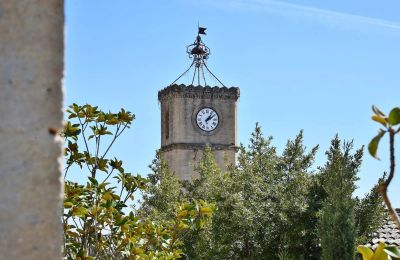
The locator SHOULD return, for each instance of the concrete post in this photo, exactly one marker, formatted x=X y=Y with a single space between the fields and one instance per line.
x=31 y=99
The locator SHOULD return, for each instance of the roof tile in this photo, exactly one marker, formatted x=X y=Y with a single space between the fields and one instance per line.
x=389 y=234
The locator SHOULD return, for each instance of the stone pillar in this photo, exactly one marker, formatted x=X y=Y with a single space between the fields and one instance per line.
x=31 y=104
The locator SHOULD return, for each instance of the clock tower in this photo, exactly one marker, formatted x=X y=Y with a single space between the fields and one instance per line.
x=195 y=116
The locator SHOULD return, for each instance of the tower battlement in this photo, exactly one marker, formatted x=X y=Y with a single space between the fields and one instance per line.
x=190 y=91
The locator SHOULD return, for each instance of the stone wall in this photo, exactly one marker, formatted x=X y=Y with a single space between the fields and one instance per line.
x=182 y=162
x=31 y=99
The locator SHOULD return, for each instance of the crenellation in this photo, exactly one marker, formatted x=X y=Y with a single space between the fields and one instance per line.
x=190 y=91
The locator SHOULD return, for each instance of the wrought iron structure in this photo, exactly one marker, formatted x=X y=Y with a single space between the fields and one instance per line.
x=198 y=52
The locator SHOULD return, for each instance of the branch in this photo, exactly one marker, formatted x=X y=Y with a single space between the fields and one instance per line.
x=84 y=139
x=96 y=154
x=83 y=134
x=108 y=176
x=66 y=171
x=127 y=196
x=112 y=142
x=384 y=186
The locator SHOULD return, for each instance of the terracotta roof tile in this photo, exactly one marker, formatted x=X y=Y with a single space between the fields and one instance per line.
x=389 y=234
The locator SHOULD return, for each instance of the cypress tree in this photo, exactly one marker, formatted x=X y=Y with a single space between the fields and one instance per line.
x=337 y=219
x=370 y=213
x=163 y=192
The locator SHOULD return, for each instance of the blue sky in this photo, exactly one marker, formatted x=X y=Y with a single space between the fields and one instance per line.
x=312 y=65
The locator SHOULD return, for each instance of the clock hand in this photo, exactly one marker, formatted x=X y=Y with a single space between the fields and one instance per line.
x=209 y=117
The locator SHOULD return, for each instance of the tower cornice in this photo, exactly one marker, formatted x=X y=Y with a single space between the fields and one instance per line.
x=199 y=146
x=207 y=92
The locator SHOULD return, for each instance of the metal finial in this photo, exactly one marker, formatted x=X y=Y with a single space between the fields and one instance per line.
x=199 y=53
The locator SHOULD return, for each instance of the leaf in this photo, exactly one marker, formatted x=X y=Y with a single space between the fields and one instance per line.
x=137 y=251
x=102 y=165
x=377 y=111
x=112 y=121
x=103 y=185
x=379 y=253
x=75 y=107
x=392 y=251
x=125 y=228
x=394 y=116
x=79 y=211
x=71 y=130
x=182 y=214
x=379 y=120
x=72 y=115
x=121 y=222
x=373 y=145
x=93 y=181
x=68 y=205
x=101 y=117
x=205 y=211
x=182 y=225
x=72 y=234
x=107 y=196
x=366 y=252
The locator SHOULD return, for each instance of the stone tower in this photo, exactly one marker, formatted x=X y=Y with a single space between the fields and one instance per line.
x=195 y=116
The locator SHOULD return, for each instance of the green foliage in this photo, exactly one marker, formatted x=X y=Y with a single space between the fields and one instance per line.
x=256 y=180
x=337 y=221
x=370 y=213
x=373 y=145
x=213 y=185
x=97 y=222
x=394 y=116
x=295 y=168
x=261 y=205
x=388 y=122
x=268 y=206
x=162 y=193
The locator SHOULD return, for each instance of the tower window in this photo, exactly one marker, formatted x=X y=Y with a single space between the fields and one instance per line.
x=166 y=124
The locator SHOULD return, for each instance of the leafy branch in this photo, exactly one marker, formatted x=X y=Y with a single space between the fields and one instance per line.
x=96 y=221
x=389 y=124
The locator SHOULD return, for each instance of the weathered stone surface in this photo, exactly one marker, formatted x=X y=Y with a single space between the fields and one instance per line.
x=191 y=91
x=31 y=71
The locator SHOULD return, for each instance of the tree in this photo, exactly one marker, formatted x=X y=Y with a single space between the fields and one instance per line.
x=295 y=167
x=215 y=241
x=268 y=206
x=369 y=213
x=315 y=201
x=337 y=221
x=256 y=213
x=97 y=222
x=255 y=182
x=162 y=193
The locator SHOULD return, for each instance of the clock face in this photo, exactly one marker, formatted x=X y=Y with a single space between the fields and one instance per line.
x=207 y=119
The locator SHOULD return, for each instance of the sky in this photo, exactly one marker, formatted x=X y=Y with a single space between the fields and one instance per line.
x=312 y=65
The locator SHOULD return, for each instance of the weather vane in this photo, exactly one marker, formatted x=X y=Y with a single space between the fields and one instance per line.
x=199 y=53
